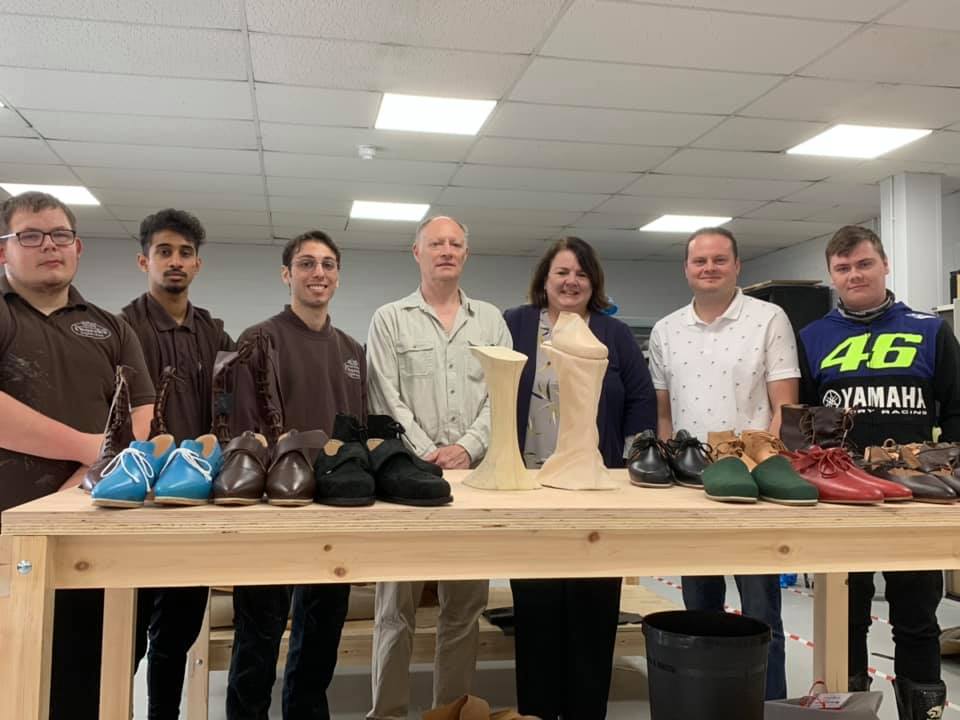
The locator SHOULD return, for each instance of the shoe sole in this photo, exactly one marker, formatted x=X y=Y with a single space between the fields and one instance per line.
x=164 y=500
x=428 y=502
x=347 y=502
x=691 y=485
x=236 y=501
x=117 y=503
x=651 y=484
x=852 y=502
x=289 y=503
x=793 y=503
x=732 y=498
x=936 y=502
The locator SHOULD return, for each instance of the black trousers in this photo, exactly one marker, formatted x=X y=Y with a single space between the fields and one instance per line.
x=170 y=618
x=566 y=631
x=260 y=617
x=913 y=598
x=75 y=668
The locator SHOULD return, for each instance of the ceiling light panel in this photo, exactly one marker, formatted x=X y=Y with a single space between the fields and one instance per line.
x=683 y=223
x=433 y=114
x=69 y=194
x=372 y=210
x=858 y=141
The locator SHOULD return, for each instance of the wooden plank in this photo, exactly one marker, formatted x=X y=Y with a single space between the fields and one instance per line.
x=6 y=564
x=27 y=632
x=830 y=630
x=116 y=668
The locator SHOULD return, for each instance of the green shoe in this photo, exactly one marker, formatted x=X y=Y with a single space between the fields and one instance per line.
x=728 y=480
x=779 y=483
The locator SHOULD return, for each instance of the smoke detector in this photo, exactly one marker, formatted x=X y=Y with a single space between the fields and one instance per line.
x=367 y=152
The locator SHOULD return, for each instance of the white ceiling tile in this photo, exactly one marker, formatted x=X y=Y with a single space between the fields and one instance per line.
x=494 y=25
x=938 y=14
x=97 y=92
x=26 y=150
x=58 y=44
x=12 y=125
x=373 y=240
x=627 y=204
x=860 y=103
x=42 y=174
x=873 y=171
x=636 y=87
x=348 y=190
x=382 y=68
x=341 y=168
x=778 y=232
x=712 y=187
x=384 y=226
x=788 y=210
x=158 y=157
x=846 y=214
x=550 y=122
x=627 y=222
x=306 y=221
x=492 y=176
x=567 y=155
x=218 y=232
x=603 y=237
x=775 y=166
x=91 y=229
x=856 y=10
x=654 y=35
x=183 y=199
x=838 y=193
x=316 y=106
x=126 y=179
x=937 y=147
x=343 y=141
x=133 y=214
x=520 y=199
x=186 y=13
x=507 y=216
x=143 y=130
x=894 y=54
x=740 y=133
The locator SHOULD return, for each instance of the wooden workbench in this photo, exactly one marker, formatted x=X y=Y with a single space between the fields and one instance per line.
x=542 y=533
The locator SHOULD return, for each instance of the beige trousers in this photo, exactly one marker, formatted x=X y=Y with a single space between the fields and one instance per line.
x=458 y=635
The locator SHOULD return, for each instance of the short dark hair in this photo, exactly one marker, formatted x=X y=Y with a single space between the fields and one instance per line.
x=848 y=237
x=711 y=231
x=293 y=246
x=589 y=263
x=33 y=202
x=178 y=221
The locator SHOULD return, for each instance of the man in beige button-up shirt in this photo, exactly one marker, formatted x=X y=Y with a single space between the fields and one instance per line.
x=422 y=373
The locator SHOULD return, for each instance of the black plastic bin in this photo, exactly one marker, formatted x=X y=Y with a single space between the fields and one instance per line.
x=705 y=665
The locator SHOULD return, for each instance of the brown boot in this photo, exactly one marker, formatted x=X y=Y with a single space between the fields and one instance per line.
x=269 y=403
x=830 y=426
x=727 y=444
x=224 y=381
x=118 y=433
x=158 y=425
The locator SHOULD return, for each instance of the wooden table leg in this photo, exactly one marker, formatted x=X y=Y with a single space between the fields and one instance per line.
x=27 y=631
x=116 y=666
x=830 y=619
x=198 y=672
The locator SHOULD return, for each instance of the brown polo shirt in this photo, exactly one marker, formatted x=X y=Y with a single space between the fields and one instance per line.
x=320 y=374
x=63 y=366
x=191 y=349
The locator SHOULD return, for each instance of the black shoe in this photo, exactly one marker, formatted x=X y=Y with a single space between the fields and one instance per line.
x=689 y=458
x=343 y=471
x=919 y=701
x=400 y=478
x=384 y=426
x=648 y=466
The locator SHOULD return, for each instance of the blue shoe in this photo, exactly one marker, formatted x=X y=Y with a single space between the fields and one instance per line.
x=187 y=476
x=127 y=479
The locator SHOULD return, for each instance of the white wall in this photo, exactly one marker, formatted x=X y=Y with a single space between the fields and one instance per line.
x=799 y=262
x=241 y=283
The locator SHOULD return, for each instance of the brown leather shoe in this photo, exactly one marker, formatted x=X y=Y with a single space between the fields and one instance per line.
x=158 y=425
x=118 y=433
x=727 y=444
x=291 y=479
x=243 y=478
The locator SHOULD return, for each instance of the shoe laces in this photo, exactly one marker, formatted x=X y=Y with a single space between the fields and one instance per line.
x=830 y=461
x=642 y=443
x=194 y=460
x=139 y=460
x=728 y=448
x=675 y=446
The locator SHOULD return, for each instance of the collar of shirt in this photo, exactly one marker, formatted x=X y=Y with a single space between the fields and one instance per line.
x=416 y=300
x=162 y=320
x=291 y=317
x=731 y=313
x=74 y=298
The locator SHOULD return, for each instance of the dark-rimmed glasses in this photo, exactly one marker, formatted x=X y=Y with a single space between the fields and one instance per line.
x=34 y=238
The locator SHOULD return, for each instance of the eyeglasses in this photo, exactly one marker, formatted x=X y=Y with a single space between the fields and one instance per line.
x=34 y=238
x=310 y=264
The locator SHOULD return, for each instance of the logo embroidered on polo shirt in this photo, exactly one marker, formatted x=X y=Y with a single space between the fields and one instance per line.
x=351 y=368
x=90 y=329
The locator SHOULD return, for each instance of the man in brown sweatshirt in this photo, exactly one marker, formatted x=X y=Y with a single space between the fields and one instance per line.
x=320 y=372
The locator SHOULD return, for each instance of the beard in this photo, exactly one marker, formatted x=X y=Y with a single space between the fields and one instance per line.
x=174 y=289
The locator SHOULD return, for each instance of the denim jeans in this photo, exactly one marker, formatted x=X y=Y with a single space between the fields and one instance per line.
x=913 y=597
x=760 y=600
x=171 y=618
x=260 y=617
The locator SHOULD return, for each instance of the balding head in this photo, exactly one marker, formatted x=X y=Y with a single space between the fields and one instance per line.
x=440 y=220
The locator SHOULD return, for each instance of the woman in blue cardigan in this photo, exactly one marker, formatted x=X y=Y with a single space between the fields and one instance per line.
x=566 y=629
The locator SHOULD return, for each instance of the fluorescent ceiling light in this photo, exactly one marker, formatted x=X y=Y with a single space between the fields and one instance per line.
x=433 y=114
x=69 y=194
x=857 y=141
x=370 y=210
x=683 y=223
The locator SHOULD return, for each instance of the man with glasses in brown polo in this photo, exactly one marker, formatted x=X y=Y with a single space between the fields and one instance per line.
x=58 y=359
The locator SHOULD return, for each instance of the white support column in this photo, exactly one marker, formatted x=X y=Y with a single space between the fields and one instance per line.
x=911 y=228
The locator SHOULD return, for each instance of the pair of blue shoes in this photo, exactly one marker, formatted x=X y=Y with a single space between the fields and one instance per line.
x=178 y=475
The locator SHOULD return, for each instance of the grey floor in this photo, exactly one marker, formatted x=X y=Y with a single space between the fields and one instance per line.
x=350 y=691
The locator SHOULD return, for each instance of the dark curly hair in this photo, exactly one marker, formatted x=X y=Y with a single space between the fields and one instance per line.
x=178 y=221
x=589 y=263
x=293 y=245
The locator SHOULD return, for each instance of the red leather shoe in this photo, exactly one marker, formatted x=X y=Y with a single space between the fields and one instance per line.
x=892 y=491
x=829 y=472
